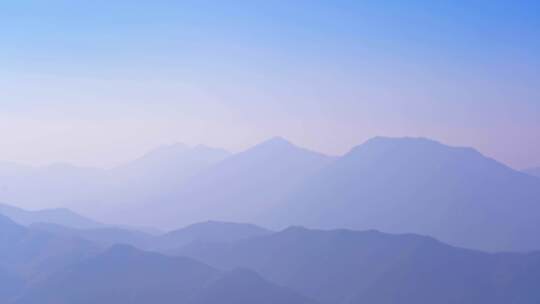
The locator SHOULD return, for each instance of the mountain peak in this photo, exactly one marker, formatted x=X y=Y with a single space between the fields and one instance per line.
x=206 y=148
x=279 y=144
x=419 y=145
x=277 y=141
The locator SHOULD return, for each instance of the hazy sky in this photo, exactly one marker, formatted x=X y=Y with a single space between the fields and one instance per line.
x=100 y=82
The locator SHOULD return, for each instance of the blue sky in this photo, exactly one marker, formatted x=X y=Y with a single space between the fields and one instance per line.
x=100 y=82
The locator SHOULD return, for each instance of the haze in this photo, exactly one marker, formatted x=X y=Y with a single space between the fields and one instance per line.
x=269 y=152
x=100 y=83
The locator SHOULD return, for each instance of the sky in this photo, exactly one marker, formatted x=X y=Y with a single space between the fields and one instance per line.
x=97 y=83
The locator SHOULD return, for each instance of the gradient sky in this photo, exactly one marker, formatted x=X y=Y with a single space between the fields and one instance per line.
x=100 y=82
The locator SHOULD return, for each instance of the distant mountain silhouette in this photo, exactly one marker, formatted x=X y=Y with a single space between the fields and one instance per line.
x=60 y=216
x=245 y=286
x=257 y=266
x=105 y=236
x=242 y=186
x=211 y=231
x=141 y=184
x=105 y=193
x=166 y=166
x=349 y=267
x=421 y=186
x=391 y=184
x=124 y=274
x=47 y=263
x=34 y=255
x=533 y=171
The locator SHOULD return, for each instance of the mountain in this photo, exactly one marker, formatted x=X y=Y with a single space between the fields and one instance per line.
x=33 y=255
x=124 y=274
x=46 y=263
x=420 y=186
x=9 y=232
x=254 y=289
x=165 y=168
x=351 y=267
x=394 y=185
x=136 y=186
x=60 y=216
x=105 y=193
x=172 y=163
x=533 y=171
x=105 y=236
x=209 y=232
x=243 y=186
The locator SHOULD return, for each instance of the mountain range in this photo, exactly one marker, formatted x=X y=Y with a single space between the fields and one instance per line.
x=105 y=193
x=354 y=267
x=60 y=216
x=38 y=266
x=240 y=263
x=421 y=186
x=208 y=232
x=397 y=185
x=243 y=186
x=123 y=274
x=29 y=256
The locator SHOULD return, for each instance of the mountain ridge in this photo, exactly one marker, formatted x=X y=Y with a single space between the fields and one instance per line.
x=240 y=187
x=61 y=216
x=352 y=267
x=123 y=274
x=420 y=186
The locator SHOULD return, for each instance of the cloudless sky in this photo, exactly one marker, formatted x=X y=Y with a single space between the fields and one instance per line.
x=100 y=82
